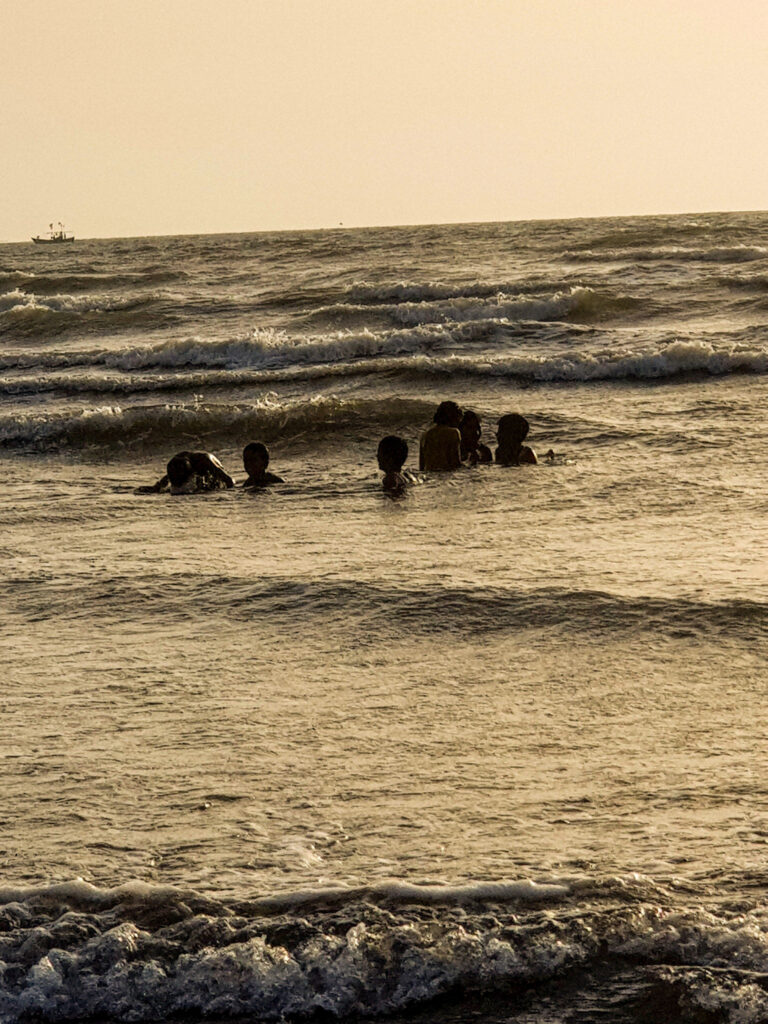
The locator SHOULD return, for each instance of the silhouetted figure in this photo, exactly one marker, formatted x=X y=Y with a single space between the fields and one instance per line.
x=391 y=455
x=255 y=461
x=440 y=447
x=511 y=431
x=190 y=472
x=471 y=450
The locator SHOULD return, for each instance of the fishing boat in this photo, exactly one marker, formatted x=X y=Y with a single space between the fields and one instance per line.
x=54 y=236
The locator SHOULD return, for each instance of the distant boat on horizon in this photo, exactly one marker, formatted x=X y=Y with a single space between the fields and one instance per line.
x=54 y=237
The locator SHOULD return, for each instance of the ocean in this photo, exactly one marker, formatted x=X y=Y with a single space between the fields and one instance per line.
x=492 y=752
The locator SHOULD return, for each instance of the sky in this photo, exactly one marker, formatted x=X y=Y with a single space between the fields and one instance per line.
x=152 y=117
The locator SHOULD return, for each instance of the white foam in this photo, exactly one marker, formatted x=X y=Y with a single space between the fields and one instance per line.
x=715 y=254
x=561 y=305
x=334 y=951
x=22 y=303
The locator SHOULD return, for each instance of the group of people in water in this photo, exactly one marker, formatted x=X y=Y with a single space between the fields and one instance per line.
x=190 y=472
x=452 y=441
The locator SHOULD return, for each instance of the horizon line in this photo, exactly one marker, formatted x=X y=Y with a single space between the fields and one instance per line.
x=379 y=227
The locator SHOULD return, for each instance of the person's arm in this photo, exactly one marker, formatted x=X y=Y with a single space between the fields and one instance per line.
x=421 y=455
x=225 y=478
x=161 y=484
x=528 y=456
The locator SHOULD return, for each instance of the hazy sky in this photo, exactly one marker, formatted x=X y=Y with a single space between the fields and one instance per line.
x=130 y=117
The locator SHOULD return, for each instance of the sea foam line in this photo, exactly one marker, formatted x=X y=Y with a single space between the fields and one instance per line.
x=20 y=303
x=578 y=301
x=138 y=958
x=264 y=348
x=226 y=364
x=715 y=254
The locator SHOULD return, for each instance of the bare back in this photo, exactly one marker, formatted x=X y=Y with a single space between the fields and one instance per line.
x=440 y=449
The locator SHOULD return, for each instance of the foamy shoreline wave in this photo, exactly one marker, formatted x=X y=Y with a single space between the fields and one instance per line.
x=142 y=953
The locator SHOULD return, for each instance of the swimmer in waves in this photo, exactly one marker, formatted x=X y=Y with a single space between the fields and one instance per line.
x=511 y=431
x=473 y=451
x=190 y=473
x=391 y=455
x=255 y=461
x=440 y=447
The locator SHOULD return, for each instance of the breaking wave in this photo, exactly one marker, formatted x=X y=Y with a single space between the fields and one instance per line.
x=26 y=314
x=361 y=292
x=138 y=953
x=672 y=360
x=263 y=348
x=199 y=423
x=405 y=356
x=576 y=303
x=18 y=302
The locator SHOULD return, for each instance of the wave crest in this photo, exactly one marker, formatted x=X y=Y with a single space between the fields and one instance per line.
x=27 y=314
x=575 y=303
x=198 y=423
x=264 y=348
x=715 y=254
x=91 y=280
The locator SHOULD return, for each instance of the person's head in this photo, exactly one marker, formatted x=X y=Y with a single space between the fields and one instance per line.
x=255 y=458
x=470 y=429
x=512 y=430
x=392 y=453
x=179 y=470
x=447 y=414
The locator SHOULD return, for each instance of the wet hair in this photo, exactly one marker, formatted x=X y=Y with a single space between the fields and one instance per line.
x=469 y=417
x=257 y=448
x=394 y=449
x=513 y=427
x=179 y=470
x=447 y=413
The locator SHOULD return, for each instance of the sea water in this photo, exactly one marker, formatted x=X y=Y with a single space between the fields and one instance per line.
x=495 y=750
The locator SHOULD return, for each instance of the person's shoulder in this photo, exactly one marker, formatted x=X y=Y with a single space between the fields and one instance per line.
x=394 y=484
x=441 y=433
x=268 y=478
